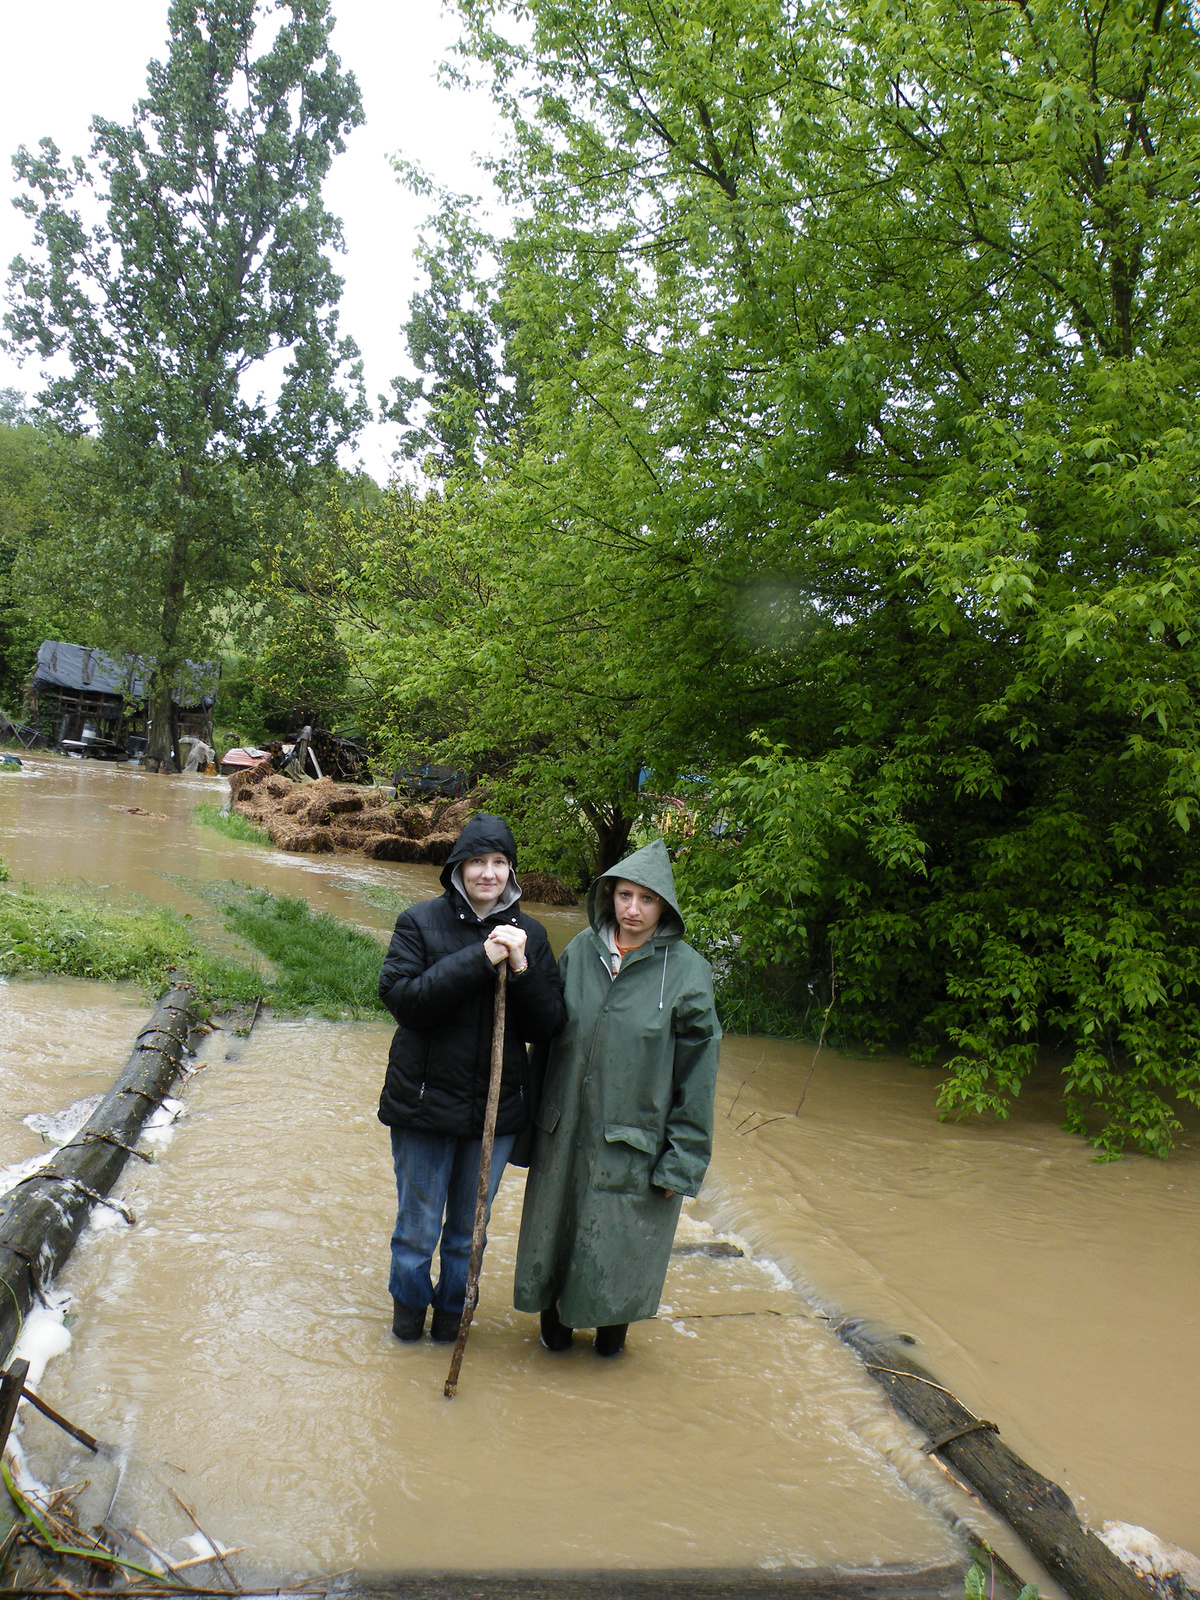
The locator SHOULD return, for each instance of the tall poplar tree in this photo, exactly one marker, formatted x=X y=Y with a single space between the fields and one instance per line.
x=207 y=281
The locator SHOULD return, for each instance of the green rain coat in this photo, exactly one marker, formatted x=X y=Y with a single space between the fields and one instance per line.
x=625 y=1112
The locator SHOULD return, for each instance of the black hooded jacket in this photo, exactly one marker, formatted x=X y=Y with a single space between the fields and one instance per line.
x=440 y=986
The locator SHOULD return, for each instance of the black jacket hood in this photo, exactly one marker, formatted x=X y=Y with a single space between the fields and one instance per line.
x=480 y=837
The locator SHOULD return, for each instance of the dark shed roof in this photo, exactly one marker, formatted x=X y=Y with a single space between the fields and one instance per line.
x=76 y=666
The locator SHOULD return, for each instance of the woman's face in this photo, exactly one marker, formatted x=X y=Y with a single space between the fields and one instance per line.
x=484 y=878
x=638 y=910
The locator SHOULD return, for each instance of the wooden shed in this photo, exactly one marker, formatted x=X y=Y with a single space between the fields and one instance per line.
x=91 y=704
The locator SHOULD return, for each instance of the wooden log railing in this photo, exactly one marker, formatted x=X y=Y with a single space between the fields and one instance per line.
x=43 y=1215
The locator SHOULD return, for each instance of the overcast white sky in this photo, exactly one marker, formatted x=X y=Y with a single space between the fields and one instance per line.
x=68 y=60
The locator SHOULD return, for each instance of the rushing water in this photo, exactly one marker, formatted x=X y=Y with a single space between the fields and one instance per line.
x=241 y=1331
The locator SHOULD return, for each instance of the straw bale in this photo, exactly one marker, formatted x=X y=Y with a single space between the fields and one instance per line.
x=310 y=841
x=435 y=847
x=392 y=847
x=316 y=800
x=544 y=889
x=301 y=841
x=248 y=777
x=374 y=821
x=456 y=815
x=417 y=820
x=344 y=804
x=314 y=803
x=277 y=786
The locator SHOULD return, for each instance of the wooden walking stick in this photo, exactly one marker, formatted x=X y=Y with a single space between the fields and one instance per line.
x=485 y=1174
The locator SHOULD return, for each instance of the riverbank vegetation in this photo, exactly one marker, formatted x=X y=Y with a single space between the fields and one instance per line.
x=323 y=966
x=320 y=967
x=231 y=823
x=212 y=257
x=72 y=931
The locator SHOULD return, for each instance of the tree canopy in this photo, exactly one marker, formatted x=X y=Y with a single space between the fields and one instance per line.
x=856 y=481
x=207 y=283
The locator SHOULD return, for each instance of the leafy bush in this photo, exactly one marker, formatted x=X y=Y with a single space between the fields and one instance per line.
x=961 y=929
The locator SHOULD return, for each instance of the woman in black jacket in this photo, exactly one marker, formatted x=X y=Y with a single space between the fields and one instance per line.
x=439 y=982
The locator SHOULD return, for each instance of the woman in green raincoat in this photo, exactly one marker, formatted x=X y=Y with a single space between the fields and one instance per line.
x=623 y=1123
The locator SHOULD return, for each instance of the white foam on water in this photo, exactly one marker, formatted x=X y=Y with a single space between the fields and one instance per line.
x=779 y=1278
x=44 y=1335
x=159 y=1127
x=60 y=1127
x=11 y=1176
x=100 y=1220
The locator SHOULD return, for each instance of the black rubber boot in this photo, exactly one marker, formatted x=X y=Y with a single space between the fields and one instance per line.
x=445 y=1325
x=555 y=1334
x=610 y=1341
x=407 y=1324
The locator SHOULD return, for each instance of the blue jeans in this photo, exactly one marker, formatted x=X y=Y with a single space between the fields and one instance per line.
x=437 y=1179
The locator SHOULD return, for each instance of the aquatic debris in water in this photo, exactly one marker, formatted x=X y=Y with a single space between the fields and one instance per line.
x=978 y=1586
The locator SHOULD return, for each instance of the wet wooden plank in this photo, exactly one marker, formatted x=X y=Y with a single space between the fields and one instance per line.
x=12 y=1385
x=943 y=1582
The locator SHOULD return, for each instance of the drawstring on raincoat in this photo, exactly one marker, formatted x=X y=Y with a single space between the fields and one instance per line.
x=663 y=985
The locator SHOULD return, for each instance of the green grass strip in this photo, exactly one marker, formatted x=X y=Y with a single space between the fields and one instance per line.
x=73 y=933
x=231 y=823
x=325 y=968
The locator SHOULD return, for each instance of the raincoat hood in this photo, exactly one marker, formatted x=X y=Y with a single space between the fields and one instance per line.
x=480 y=837
x=651 y=867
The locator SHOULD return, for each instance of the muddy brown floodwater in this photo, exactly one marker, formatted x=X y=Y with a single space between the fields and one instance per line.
x=240 y=1331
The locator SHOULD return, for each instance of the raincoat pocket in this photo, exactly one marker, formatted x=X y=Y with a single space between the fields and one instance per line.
x=547 y=1117
x=623 y=1164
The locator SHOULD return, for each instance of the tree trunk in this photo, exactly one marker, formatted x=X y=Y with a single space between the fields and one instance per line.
x=613 y=828
x=162 y=751
x=42 y=1216
x=159 y=752
x=1037 y=1509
